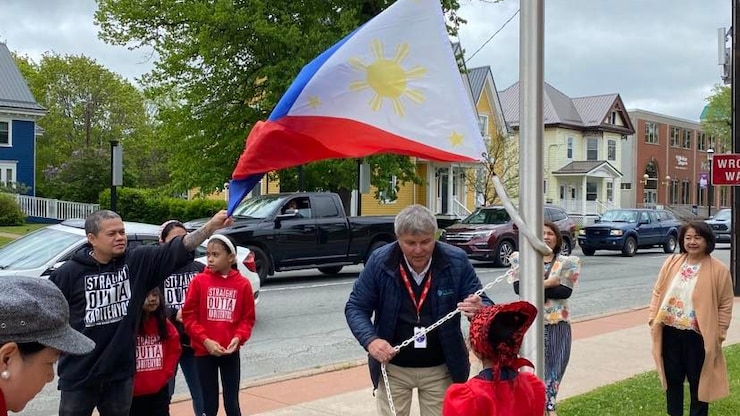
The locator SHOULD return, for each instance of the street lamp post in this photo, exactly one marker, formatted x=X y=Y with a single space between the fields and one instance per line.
x=710 y=190
x=116 y=172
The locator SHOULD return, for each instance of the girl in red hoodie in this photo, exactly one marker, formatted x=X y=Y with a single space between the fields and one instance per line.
x=219 y=316
x=157 y=352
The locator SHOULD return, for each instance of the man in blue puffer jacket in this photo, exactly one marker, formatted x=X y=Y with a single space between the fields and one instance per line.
x=409 y=285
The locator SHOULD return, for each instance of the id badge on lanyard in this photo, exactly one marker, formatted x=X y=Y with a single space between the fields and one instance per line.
x=421 y=340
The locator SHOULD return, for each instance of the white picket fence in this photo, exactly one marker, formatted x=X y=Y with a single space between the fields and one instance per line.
x=53 y=208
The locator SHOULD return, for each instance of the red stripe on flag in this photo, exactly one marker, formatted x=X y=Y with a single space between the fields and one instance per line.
x=293 y=141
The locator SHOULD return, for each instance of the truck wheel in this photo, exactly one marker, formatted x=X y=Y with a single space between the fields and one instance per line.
x=588 y=251
x=330 y=269
x=374 y=246
x=670 y=244
x=504 y=250
x=630 y=247
x=261 y=262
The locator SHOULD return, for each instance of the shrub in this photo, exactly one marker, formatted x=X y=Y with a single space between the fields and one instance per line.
x=149 y=206
x=10 y=212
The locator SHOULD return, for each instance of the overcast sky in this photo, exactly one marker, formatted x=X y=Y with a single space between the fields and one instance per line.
x=659 y=55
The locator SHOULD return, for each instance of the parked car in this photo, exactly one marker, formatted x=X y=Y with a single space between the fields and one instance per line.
x=626 y=230
x=39 y=253
x=721 y=224
x=304 y=230
x=489 y=234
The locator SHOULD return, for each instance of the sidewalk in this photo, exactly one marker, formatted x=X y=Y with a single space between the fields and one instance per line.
x=602 y=347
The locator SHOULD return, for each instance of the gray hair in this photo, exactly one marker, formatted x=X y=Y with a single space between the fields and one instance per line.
x=92 y=222
x=414 y=220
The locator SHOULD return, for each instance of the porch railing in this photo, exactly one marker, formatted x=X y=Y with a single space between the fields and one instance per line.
x=53 y=208
x=459 y=209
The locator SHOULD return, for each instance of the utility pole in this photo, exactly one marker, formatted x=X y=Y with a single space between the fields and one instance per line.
x=735 y=91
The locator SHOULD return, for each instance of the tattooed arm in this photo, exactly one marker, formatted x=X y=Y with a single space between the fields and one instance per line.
x=195 y=238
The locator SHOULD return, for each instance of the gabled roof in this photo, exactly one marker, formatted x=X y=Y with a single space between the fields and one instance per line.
x=585 y=113
x=477 y=77
x=586 y=167
x=14 y=92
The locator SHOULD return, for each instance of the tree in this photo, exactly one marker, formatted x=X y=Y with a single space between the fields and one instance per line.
x=717 y=116
x=502 y=160
x=223 y=65
x=88 y=106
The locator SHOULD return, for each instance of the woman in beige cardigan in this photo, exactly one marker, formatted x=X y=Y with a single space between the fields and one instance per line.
x=690 y=313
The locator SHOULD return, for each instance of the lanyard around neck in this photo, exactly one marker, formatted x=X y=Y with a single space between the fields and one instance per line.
x=417 y=304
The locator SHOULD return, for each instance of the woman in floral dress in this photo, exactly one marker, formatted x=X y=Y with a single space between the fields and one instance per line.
x=561 y=275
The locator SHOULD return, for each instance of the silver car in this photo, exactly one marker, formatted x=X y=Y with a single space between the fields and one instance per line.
x=721 y=224
x=39 y=253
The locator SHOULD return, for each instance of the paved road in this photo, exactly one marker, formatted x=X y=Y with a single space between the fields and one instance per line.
x=300 y=320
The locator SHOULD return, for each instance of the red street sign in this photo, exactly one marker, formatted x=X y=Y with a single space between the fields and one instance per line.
x=726 y=169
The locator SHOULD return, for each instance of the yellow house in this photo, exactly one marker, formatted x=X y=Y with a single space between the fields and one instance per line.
x=583 y=143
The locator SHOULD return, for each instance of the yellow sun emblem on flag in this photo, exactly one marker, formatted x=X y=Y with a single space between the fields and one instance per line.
x=388 y=79
x=314 y=102
x=455 y=138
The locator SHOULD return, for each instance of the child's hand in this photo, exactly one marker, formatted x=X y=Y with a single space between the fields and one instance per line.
x=178 y=317
x=233 y=345
x=214 y=348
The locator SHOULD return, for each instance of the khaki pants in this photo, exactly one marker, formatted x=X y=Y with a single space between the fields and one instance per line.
x=431 y=384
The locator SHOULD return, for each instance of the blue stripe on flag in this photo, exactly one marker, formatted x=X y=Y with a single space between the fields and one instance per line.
x=308 y=71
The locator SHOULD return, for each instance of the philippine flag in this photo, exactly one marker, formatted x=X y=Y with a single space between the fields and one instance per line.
x=391 y=86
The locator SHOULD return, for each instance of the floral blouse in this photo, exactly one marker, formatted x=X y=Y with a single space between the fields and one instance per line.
x=677 y=309
x=567 y=269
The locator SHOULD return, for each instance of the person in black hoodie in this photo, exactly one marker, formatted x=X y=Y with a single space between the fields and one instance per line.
x=106 y=286
x=175 y=288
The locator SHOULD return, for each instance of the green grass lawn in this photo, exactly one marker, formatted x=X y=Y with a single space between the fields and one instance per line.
x=643 y=395
x=22 y=229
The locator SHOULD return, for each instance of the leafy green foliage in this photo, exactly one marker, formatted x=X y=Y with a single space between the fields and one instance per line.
x=10 y=212
x=88 y=106
x=148 y=205
x=81 y=178
x=643 y=395
x=224 y=64
x=717 y=121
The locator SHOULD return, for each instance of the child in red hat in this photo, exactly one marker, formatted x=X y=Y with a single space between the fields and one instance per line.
x=496 y=334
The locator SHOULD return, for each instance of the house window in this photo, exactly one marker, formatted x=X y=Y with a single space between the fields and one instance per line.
x=610 y=191
x=685 y=193
x=591 y=191
x=483 y=124
x=651 y=133
x=7 y=174
x=612 y=150
x=592 y=149
x=4 y=133
x=687 y=139
x=569 y=153
x=675 y=137
x=625 y=186
x=390 y=197
x=701 y=140
x=674 y=192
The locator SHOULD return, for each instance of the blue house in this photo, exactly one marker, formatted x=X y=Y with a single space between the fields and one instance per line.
x=19 y=112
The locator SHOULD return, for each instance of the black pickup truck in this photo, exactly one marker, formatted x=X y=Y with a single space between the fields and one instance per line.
x=304 y=230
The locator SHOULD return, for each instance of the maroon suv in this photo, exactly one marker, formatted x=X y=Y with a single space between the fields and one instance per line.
x=489 y=234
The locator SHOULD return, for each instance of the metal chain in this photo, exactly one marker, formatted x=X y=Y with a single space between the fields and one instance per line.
x=424 y=332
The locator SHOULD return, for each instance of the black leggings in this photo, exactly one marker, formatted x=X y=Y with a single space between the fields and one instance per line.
x=208 y=369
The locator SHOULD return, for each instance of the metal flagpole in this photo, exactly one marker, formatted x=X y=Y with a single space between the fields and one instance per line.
x=531 y=145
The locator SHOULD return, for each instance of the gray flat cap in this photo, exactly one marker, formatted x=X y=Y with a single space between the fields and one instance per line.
x=33 y=309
